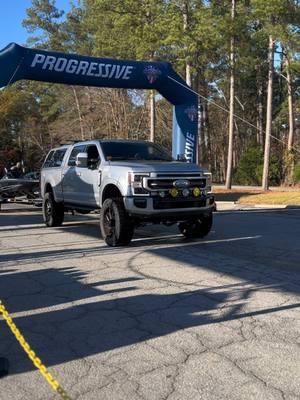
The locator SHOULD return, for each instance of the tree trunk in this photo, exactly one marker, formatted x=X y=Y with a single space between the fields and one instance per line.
x=188 y=74
x=185 y=13
x=199 y=152
x=290 y=157
x=231 y=106
x=79 y=113
x=260 y=118
x=21 y=146
x=152 y=115
x=265 y=177
x=204 y=126
x=291 y=111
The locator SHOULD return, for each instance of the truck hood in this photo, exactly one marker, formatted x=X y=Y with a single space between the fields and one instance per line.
x=158 y=166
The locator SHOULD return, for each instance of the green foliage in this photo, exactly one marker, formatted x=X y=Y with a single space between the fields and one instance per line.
x=129 y=29
x=35 y=116
x=274 y=170
x=44 y=16
x=250 y=162
x=297 y=173
x=249 y=171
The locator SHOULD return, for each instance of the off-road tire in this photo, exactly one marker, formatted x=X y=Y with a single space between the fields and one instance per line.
x=197 y=228
x=53 y=212
x=116 y=227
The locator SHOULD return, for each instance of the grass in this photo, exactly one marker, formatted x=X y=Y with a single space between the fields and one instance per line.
x=285 y=198
x=258 y=197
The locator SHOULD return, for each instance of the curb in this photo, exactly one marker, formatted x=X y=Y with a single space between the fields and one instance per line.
x=226 y=203
x=270 y=205
x=232 y=205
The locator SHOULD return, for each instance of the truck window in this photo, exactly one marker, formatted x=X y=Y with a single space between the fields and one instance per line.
x=76 y=150
x=141 y=151
x=54 y=158
x=58 y=157
x=93 y=156
x=48 y=160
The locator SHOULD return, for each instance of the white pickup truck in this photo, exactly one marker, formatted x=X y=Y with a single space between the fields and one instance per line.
x=131 y=182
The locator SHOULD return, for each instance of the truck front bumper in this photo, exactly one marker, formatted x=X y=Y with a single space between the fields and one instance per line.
x=179 y=209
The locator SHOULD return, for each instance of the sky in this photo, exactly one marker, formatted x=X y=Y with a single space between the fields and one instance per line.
x=12 y=13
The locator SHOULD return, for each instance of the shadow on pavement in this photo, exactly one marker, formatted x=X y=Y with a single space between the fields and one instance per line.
x=52 y=286
x=11 y=219
x=26 y=220
x=79 y=331
x=99 y=324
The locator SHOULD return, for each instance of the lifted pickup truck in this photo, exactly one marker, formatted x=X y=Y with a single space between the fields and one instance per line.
x=131 y=182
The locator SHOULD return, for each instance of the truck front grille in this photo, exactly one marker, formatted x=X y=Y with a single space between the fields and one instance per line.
x=178 y=175
x=169 y=203
x=167 y=181
x=164 y=184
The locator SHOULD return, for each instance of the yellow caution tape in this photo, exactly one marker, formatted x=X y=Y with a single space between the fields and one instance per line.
x=31 y=354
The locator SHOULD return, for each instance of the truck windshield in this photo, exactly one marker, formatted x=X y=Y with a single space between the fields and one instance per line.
x=139 y=151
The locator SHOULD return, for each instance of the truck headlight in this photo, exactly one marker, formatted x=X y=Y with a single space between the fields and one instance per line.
x=138 y=178
x=208 y=177
x=136 y=182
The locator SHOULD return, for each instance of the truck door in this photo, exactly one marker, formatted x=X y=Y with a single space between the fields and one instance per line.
x=91 y=176
x=73 y=187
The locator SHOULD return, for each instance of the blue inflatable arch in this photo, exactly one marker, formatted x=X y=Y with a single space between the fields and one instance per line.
x=17 y=62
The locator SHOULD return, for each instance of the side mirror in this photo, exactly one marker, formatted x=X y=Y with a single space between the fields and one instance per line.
x=81 y=160
x=181 y=157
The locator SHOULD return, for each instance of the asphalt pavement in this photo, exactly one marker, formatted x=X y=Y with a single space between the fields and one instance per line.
x=164 y=318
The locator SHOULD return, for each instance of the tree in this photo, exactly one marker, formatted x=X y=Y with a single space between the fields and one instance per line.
x=45 y=16
x=232 y=98
x=277 y=19
x=265 y=178
x=195 y=36
x=289 y=154
x=134 y=30
x=249 y=171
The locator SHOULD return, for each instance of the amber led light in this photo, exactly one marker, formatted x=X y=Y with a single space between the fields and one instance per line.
x=174 y=192
x=196 y=192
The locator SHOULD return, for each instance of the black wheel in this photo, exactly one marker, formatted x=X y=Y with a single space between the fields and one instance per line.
x=116 y=227
x=53 y=212
x=4 y=366
x=197 y=228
